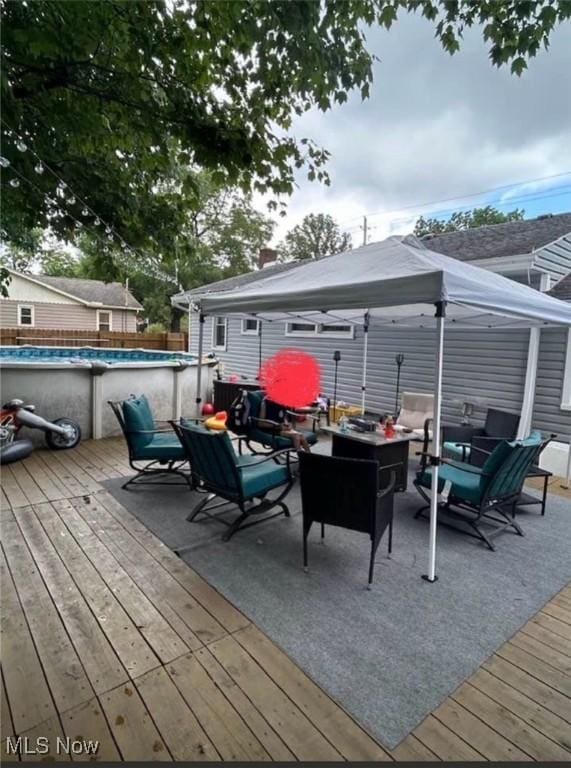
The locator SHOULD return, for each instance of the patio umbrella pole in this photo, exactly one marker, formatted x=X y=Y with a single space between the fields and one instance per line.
x=199 y=372
x=435 y=454
x=365 y=355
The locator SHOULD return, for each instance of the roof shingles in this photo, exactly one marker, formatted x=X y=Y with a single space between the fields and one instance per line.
x=562 y=289
x=514 y=238
x=509 y=239
x=92 y=291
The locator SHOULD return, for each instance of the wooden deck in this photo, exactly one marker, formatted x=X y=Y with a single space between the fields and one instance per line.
x=108 y=636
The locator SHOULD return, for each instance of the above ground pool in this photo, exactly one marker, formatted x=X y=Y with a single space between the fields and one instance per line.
x=79 y=355
x=79 y=382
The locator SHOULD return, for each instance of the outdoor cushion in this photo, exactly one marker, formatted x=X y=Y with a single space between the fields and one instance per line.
x=138 y=417
x=277 y=442
x=533 y=439
x=255 y=397
x=412 y=419
x=164 y=446
x=261 y=476
x=416 y=407
x=457 y=451
x=465 y=484
x=497 y=457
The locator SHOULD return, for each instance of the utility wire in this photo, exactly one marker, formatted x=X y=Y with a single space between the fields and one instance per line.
x=110 y=231
x=416 y=206
x=155 y=273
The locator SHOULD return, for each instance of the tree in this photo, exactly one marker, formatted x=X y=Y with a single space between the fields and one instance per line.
x=227 y=227
x=317 y=235
x=478 y=217
x=219 y=239
x=113 y=95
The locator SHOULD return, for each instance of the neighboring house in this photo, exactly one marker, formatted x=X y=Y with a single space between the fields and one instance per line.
x=489 y=367
x=67 y=303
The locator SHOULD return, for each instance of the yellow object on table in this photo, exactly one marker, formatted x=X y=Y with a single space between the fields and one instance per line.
x=218 y=421
x=336 y=412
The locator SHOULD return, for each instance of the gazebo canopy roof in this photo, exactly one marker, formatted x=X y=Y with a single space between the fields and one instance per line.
x=398 y=281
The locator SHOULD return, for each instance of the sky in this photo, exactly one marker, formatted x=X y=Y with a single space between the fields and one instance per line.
x=438 y=127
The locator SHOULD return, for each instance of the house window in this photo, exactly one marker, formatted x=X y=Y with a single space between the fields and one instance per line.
x=250 y=327
x=332 y=330
x=103 y=320
x=301 y=329
x=337 y=330
x=219 y=332
x=25 y=314
x=566 y=395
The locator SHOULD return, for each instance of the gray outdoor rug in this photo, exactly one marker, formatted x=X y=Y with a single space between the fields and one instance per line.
x=392 y=654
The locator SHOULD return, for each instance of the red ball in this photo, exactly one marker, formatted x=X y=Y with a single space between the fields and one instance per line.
x=207 y=409
x=291 y=378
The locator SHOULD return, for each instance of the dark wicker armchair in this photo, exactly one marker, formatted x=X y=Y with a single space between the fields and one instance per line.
x=346 y=493
x=474 y=444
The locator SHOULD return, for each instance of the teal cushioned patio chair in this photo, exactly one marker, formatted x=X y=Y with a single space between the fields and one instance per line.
x=266 y=432
x=241 y=480
x=485 y=494
x=155 y=453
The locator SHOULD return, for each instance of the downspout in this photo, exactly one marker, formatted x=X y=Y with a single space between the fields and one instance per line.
x=524 y=427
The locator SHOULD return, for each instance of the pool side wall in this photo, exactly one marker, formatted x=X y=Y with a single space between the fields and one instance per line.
x=73 y=391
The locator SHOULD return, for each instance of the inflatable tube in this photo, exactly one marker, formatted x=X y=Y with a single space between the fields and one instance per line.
x=16 y=451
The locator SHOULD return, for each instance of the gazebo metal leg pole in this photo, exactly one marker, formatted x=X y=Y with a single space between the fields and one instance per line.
x=199 y=372
x=365 y=356
x=259 y=349
x=435 y=454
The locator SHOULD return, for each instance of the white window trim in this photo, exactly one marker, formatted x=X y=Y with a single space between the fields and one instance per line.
x=566 y=392
x=214 y=324
x=317 y=330
x=33 y=313
x=307 y=334
x=349 y=334
x=248 y=332
x=107 y=312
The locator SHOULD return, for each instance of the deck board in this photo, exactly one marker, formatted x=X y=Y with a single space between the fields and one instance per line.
x=108 y=635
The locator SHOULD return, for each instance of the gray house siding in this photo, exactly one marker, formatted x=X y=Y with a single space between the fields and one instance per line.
x=556 y=258
x=547 y=414
x=54 y=316
x=486 y=365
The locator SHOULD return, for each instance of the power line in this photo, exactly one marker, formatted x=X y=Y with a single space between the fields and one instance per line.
x=501 y=203
x=473 y=194
x=155 y=273
x=498 y=203
x=415 y=206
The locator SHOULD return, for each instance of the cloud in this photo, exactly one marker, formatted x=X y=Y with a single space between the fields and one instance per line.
x=437 y=127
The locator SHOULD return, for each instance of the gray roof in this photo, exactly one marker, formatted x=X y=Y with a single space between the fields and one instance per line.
x=249 y=277
x=93 y=291
x=562 y=289
x=511 y=239
x=514 y=238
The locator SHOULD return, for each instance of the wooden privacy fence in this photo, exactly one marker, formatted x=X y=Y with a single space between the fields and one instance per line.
x=43 y=337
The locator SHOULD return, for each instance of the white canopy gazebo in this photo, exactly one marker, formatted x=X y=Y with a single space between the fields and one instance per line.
x=396 y=282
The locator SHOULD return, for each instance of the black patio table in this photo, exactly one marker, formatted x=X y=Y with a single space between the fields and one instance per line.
x=390 y=452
